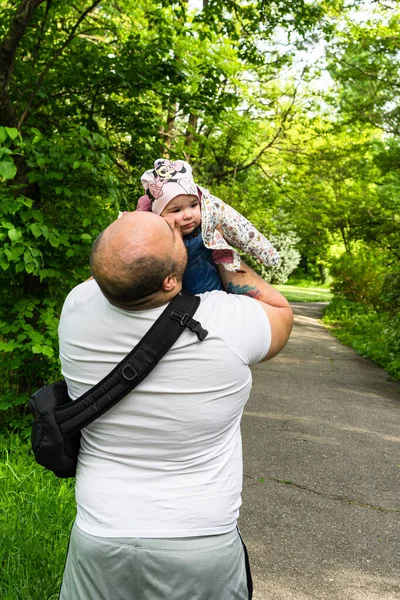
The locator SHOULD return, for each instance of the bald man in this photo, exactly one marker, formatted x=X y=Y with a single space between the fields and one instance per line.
x=159 y=478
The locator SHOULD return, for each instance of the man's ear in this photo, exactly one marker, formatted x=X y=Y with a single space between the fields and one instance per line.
x=169 y=283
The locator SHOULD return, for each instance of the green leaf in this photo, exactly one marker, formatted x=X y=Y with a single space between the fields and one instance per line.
x=12 y=132
x=7 y=169
x=54 y=240
x=36 y=230
x=86 y=236
x=19 y=400
x=14 y=234
x=29 y=268
x=7 y=346
x=49 y=273
x=55 y=175
x=37 y=215
x=46 y=350
x=3 y=134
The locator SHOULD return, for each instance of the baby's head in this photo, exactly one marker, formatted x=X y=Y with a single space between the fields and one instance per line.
x=173 y=193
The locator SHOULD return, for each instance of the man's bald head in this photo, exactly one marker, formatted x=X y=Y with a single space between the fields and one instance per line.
x=134 y=256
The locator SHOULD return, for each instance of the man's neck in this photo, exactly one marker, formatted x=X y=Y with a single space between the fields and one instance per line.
x=148 y=302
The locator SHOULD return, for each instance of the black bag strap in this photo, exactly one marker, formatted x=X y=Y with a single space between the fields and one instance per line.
x=75 y=415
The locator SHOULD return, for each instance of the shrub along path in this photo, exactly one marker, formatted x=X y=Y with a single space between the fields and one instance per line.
x=321 y=510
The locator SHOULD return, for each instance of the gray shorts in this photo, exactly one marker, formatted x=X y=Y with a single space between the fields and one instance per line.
x=201 y=568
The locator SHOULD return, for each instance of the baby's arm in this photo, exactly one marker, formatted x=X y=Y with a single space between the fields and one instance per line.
x=239 y=232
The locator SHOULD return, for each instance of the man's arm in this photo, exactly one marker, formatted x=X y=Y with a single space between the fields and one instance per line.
x=276 y=307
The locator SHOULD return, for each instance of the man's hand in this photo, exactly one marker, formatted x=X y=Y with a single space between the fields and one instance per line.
x=276 y=307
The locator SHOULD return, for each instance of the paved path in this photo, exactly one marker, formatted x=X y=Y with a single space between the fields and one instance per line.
x=321 y=507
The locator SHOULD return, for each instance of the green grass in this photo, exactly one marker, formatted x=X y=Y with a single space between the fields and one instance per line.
x=36 y=514
x=373 y=334
x=300 y=293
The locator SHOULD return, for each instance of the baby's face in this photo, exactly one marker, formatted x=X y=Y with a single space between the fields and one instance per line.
x=183 y=211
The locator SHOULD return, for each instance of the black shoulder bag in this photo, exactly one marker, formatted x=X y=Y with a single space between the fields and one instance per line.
x=57 y=424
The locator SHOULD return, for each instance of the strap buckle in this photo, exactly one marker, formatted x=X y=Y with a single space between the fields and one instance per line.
x=198 y=330
x=128 y=372
x=185 y=320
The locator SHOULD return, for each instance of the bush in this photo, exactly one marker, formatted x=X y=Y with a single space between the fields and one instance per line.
x=290 y=257
x=391 y=292
x=360 y=277
x=45 y=245
x=28 y=350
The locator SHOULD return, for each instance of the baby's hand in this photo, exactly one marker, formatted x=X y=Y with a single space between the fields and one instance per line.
x=219 y=229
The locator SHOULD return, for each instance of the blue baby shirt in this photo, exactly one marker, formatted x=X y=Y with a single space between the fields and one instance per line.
x=201 y=274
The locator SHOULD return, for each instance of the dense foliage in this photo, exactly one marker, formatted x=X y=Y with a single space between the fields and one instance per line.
x=91 y=93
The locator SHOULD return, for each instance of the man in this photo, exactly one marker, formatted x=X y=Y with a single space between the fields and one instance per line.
x=159 y=476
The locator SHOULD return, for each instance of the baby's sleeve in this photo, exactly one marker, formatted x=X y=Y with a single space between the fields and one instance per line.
x=239 y=232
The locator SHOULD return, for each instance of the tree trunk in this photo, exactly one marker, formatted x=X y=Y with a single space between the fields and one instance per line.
x=190 y=135
x=167 y=133
x=8 y=49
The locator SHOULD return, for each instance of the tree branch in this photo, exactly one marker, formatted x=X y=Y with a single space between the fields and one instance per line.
x=384 y=5
x=276 y=183
x=8 y=49
x=41 y=33
x=275 y=137
x=366 y=73
x=53 y=60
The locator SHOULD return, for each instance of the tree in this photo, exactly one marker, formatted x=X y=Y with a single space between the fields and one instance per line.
x=364 y=62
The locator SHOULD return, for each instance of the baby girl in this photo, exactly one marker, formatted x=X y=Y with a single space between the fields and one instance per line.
x=208 y=225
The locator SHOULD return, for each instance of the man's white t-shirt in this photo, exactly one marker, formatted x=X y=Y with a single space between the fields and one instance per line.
x=166 y=461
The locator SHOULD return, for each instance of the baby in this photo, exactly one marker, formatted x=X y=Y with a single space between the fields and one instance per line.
x=208 y=225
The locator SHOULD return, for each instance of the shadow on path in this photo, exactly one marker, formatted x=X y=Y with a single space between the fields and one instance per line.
x=321 y=436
